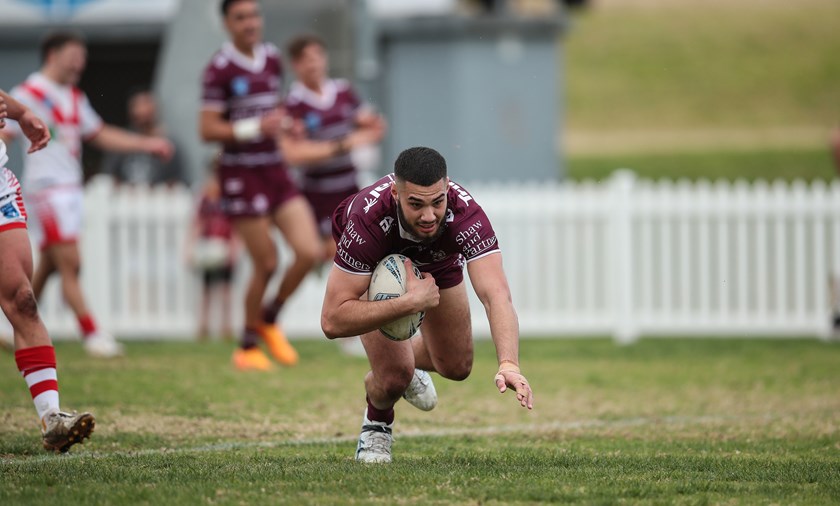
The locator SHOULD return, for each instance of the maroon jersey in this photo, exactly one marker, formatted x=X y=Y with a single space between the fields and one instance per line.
x=366 y=228
x=326 y=117
x=241 y=88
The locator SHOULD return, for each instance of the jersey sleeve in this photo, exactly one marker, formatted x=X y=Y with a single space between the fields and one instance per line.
x=353 y=98
x=90 y=123
x=359 y=248
x=214 y=89
x=475 y=236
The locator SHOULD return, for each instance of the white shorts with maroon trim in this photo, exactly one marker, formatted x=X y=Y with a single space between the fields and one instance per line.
x=58 y=215
x=12 y=210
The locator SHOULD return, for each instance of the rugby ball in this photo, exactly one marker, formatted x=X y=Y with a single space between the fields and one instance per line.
x=389 y=282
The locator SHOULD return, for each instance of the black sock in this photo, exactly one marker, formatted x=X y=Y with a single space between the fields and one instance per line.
x=249 y=339
x=271 y=311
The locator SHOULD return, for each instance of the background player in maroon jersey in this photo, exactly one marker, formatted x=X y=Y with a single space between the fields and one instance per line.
x=420 y=213
x=331 y=121
x=241 y=110
x=330 y=115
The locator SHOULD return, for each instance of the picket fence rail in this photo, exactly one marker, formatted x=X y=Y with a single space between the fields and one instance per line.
x=624 y=257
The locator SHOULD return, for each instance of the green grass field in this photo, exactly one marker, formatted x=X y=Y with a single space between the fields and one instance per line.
x=660 y=422
x=768 y=164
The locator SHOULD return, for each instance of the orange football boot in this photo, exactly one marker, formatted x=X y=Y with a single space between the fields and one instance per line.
x=278 y=345
x=252 y=359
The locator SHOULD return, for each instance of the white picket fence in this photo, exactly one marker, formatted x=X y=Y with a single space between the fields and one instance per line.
x=624 y=257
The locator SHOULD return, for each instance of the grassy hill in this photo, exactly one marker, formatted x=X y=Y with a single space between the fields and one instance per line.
x=650 y=76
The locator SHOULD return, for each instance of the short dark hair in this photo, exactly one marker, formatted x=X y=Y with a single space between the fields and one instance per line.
x=225 y=6
x=57 y=40
x=298 y=44
x=421 y=166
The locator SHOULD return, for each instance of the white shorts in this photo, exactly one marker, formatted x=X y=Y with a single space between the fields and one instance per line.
x=12 y=210
x=58 y=215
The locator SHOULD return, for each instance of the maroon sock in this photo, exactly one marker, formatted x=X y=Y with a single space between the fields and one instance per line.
x=379 y=415
x=271 y=311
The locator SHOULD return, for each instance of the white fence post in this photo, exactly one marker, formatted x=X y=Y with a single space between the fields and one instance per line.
x=625 y=328
x=96 y=250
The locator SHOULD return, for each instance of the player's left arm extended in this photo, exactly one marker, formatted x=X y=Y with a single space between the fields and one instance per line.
x=111 y=138
x=488 y=279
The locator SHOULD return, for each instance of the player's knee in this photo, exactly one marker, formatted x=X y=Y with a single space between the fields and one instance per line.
x=71 y=268
x=266 y=265
x=458 y=371
x=24 y=303
x=310 y=255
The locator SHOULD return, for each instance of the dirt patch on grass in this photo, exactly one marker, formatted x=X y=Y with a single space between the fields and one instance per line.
x=628 y=142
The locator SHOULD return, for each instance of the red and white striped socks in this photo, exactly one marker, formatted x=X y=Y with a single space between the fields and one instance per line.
x=37 y=365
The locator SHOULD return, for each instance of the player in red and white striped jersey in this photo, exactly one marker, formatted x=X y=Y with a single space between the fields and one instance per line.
x=34 y=352
x=53 y=176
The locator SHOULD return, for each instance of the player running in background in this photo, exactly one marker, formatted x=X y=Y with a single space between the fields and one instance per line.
x=420 y=213
x=34 y=352
x=330 y=116
x=241 y=110
x=53 y=176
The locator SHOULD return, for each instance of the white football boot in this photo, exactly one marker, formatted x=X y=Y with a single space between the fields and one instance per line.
x=62 y=430
x=421 y=391
x=374 y=442
x=103 y=345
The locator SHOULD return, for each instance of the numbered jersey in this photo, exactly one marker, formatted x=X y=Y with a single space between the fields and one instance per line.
x=366 y=227
x=71 y=120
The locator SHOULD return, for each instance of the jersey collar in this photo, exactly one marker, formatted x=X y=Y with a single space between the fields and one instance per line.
x=255 y=64
x=327 y=98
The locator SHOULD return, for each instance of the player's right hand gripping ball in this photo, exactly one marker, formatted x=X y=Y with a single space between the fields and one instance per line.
x=389 y=281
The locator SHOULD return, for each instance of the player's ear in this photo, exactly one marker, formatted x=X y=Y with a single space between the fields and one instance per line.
x=394 y=192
